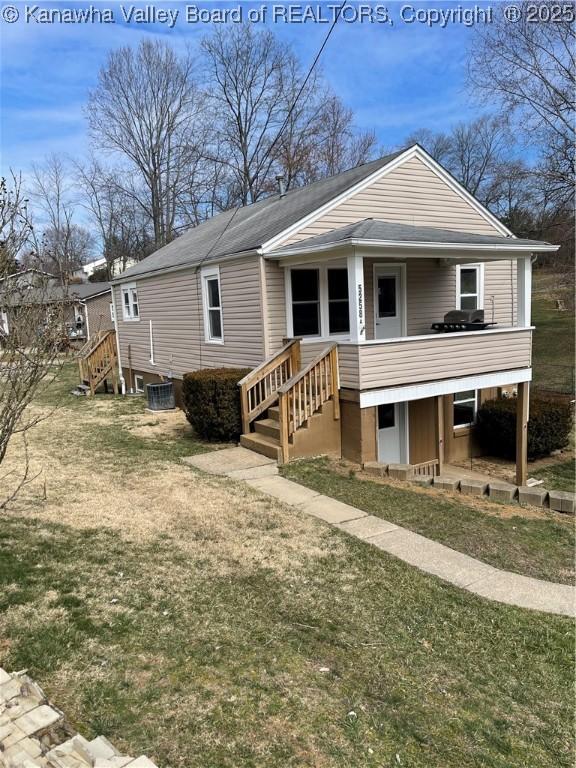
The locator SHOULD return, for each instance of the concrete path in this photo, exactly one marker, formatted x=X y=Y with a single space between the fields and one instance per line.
x=461 y=570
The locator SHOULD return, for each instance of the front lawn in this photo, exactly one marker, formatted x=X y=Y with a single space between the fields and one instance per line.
x=535 y=546
x=189 y=618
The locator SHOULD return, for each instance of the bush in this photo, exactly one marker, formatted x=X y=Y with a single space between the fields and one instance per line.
x=549 y=427
x=211 y=399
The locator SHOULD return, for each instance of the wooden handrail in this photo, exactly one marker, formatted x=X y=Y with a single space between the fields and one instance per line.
x=98 y=360
x=259 y=388
x=306 y=392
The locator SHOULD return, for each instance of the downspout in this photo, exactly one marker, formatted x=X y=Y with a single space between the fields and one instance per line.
x=120 y=374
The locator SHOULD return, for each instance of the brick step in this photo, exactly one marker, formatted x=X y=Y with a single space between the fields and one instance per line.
x=266 y=446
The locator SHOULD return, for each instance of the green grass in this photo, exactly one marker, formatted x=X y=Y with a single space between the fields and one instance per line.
x=535 y=547
x=207 y=644
x=201 y=669
x=553 y=340
x=558 y=477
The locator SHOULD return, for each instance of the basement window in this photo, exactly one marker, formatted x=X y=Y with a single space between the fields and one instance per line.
x=130 y=306
x=465 y=408
x=139 y=384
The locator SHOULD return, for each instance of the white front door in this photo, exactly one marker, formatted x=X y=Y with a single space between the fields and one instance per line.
x=392 y=433
x=388 y=302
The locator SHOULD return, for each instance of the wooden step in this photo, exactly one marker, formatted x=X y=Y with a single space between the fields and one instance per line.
x=274 y=413
x=262 y=444
x=268 y=427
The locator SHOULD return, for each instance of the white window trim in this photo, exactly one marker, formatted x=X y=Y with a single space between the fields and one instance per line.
x=479 y=284
x=127 y=288
x=323 y=268
x=466 y=400
x=137 y=378
x=209 y=273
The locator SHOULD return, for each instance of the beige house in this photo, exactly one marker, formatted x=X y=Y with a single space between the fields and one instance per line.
x=329 y=293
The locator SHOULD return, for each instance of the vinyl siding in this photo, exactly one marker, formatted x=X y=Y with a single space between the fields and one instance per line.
x=98 y=311
x=276 y=298
x=442 y=357
x=173 y=302
x=410 y=194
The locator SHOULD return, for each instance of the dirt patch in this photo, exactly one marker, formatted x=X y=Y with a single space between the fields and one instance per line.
x=502 y=469
x=484 y=505
x=224 y=523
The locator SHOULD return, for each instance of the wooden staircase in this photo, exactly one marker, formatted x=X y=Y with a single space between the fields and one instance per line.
x=97 y=361
x=282 y=402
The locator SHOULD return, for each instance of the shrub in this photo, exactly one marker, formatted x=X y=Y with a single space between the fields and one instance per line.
x=211 y=400
x=549 y=427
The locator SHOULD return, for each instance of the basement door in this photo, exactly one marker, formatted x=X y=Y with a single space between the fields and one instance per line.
x=388 y=302
x=392 y=428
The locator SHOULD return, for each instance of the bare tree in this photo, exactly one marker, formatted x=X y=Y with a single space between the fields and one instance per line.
x=248 y=71
x=146 y=109
x=32 y=314
x=15 y=226
x=528 y=70
x=269 y=119
x=123 y=227
x=63 y=245
x=472 y=152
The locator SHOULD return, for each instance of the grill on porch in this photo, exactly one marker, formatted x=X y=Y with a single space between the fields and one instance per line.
x=462 y=320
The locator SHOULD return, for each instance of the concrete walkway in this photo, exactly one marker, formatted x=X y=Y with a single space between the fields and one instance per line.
x=461 y=570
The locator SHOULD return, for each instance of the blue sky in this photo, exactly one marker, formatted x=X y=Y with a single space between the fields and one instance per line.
x=398 y=78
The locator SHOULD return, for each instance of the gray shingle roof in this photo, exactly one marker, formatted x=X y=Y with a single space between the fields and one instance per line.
x=378 y=230
x=252 y=225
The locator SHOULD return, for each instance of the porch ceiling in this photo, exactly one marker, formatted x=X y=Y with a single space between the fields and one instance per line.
x=375 y=233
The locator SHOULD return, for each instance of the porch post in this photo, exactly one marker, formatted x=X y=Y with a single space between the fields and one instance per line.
x=356 y=296
x=522 y=401
x=524 y=280
x=440 y=431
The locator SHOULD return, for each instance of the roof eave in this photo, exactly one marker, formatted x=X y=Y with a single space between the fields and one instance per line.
x=513 y=247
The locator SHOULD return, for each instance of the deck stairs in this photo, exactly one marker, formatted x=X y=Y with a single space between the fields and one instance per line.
x=285 y=406
x=97 y=363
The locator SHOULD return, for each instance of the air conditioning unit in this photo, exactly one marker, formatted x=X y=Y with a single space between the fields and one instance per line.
x=161 y=396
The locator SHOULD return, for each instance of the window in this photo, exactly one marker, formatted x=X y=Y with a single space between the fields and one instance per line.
x=387 y=296
x=386 y=416
x=112 y=316
x=139 y=383
x=338 y=305
x=469 y=287
x=130 y=302
x=319 y=301
x=465 y=407
x=214 y=330
x=305 y=302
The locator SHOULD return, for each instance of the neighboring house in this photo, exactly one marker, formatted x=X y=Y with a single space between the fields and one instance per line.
x=91 y=304
x=87 y=270
x=368 y=260
x=87 y=309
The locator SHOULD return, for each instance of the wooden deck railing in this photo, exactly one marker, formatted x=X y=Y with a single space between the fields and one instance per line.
x=425 y=469
x=305 y=394
x=97 y=360
x=259 y=389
